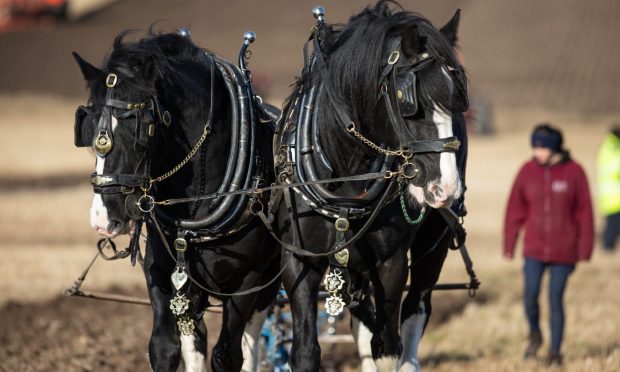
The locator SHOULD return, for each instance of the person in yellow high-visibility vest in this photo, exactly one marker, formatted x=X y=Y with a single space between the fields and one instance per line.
x=608 y=184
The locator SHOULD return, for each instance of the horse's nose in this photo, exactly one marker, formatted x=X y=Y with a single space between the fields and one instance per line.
x=442 y=196
x=438 y=192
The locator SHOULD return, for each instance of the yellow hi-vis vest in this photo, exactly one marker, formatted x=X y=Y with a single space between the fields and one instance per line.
x=608 y=175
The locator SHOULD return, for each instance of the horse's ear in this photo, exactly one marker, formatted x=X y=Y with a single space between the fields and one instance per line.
x=450 y=29
x=89 y=71
x=412 y=42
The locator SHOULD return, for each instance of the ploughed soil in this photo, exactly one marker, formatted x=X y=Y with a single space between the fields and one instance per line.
x=77 y=334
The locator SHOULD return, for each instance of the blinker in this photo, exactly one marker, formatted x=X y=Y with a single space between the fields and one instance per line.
x=84 y=127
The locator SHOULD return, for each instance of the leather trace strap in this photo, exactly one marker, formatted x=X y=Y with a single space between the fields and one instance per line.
x=338 y=245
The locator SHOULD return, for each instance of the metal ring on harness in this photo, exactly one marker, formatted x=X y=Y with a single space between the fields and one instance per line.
x=146 y=203
x=256 y=206
x=409 y=170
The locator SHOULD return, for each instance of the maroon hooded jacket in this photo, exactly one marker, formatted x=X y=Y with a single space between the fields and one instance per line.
x=553 y=202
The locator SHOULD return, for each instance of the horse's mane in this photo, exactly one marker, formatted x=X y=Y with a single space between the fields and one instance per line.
x=156 y=57
x=356 y=53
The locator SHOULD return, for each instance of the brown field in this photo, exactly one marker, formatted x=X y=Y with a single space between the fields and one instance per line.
x=537 y=61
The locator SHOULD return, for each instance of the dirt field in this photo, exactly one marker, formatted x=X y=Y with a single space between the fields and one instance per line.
x=538 y=61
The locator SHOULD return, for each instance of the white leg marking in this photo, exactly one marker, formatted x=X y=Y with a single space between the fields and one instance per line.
x=193 y=359
x=363 y=337
x=411 y=332
x=387 y=363
x=249 y=342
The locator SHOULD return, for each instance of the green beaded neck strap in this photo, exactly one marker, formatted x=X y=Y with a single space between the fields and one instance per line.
x=403 y=206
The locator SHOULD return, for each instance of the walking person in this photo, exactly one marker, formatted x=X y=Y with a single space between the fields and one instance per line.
x=608 y=184
x=550 y=197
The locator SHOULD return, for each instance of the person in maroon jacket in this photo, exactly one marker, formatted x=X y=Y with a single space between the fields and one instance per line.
x=551 y=198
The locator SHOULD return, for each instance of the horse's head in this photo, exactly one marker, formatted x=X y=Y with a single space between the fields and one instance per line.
x=122 y=123
x=429 y=89
x=403 y=83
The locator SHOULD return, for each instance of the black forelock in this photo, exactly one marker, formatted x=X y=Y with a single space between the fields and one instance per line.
x=152 y=60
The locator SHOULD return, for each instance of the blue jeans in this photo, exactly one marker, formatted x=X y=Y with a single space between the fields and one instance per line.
x=533 y=271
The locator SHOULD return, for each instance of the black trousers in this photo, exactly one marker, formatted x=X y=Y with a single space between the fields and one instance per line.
x=612 y=229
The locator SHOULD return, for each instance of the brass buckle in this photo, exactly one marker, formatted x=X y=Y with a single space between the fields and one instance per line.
x=342 y=224
x=180 y=244
x=393 y=58
x=111 y=80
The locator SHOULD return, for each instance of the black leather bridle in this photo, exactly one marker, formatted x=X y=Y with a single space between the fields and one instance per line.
x=148 y=115
x=388 y=88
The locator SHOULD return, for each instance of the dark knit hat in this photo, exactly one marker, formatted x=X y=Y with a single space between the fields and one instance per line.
x=544 y=135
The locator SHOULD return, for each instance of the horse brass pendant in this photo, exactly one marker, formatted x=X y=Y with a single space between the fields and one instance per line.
x=334 y=305
x=342 y=257
x=179 y=304
x=178 y=278
x=186 y=326
x=333 y=281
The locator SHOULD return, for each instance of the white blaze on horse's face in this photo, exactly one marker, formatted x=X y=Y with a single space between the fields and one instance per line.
x=99 y=219
x=440 y=193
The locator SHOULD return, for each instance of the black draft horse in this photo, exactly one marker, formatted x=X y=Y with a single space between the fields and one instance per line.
x=167 y=119
x=377 y=94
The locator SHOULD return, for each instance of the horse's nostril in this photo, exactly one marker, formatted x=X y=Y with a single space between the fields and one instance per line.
x=115 y=225
x=437 y=190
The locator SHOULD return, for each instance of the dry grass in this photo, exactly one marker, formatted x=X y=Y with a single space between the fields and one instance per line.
x=40 y=272
x=45 y=240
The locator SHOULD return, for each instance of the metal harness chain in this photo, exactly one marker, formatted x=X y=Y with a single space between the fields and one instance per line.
x=374 y=146
x=189 y=156
x=403 y=206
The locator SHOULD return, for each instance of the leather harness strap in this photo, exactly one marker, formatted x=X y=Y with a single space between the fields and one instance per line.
x=338 y=245
x=415 y=147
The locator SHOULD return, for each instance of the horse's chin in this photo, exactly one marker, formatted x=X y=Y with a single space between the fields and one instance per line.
x=442 y=204
x=123 y=229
